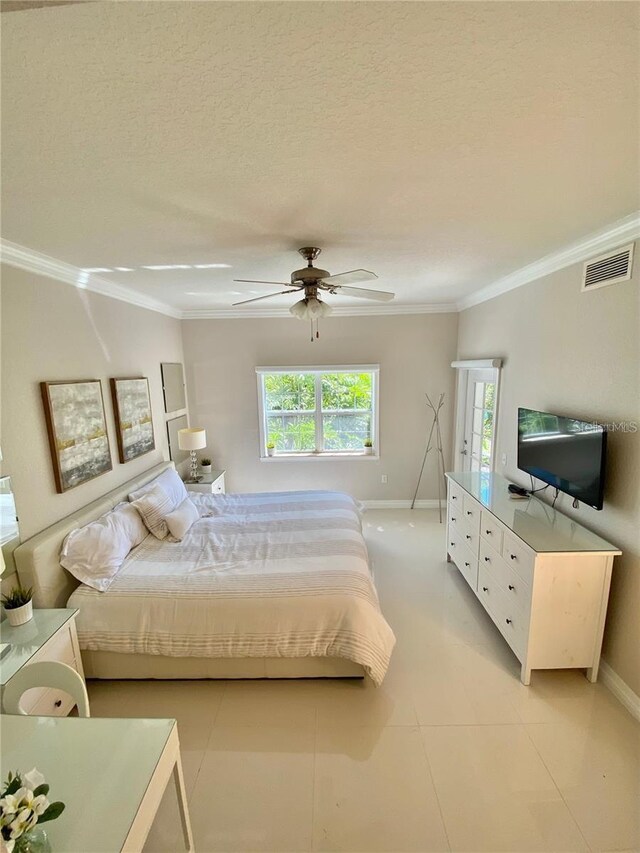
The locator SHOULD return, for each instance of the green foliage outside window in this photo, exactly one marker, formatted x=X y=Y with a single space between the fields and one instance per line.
x=347 y=410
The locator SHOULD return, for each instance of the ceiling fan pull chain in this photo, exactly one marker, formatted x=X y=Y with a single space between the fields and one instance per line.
x=311 y=331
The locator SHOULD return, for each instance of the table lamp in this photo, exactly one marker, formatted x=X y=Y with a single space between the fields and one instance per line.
x=192 y=439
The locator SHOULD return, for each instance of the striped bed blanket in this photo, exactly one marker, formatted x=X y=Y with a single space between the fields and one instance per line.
x=282 y=574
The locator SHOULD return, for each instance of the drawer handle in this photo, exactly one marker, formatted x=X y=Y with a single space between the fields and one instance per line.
x=453 y=544
x=487 y=560
x=513 y=556
x=485 y=589
x=58 y=703
x=508 y=621
x=454 y=498
x=468 y=537
x=452 y=519
x=469 y=512
x=511 y=587
x=488 y=532
x=467 y=564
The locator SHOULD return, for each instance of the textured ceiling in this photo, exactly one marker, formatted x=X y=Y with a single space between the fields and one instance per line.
x=441 y=145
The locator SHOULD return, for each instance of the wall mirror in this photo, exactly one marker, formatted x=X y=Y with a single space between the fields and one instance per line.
x=9 y=529
x=173 y=386
x=173 y=427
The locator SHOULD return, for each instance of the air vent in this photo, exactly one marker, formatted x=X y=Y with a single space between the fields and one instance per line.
x=611 y=268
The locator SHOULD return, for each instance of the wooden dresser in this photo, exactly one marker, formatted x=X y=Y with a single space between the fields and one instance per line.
x=542 y=577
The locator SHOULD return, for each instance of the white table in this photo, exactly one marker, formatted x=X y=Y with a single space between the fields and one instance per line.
x=209 y=484
x=110 y=773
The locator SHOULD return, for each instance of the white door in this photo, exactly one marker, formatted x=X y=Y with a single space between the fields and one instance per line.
x=476 y=418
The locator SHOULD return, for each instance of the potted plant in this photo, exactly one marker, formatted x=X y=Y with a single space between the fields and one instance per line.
x=23 y=807
x=205 y=465
x=368 y=447
x=270 y=448
x=18 y=605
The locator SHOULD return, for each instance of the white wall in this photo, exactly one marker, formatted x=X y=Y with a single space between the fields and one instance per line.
x=52 y=331
x=576 y=354
x=414 y=354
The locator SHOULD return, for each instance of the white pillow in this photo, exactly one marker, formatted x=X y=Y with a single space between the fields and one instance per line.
x=181 y=519
x=153 y=506
x=94 y=553
x=172 y=485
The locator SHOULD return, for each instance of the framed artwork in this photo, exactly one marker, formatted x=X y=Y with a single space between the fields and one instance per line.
x=134 y=424
x=77 y=430
x=173 y=426
x=173 y=386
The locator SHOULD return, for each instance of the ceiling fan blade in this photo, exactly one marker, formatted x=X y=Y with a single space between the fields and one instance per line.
x=365 y=293
x=268 y=296
x=253 y=281
x=351 y=277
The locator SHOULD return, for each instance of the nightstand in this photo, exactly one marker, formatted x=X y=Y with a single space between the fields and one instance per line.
x=50 y=635
x=210 y=484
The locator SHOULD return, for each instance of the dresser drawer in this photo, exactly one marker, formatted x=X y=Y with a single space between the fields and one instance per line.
x=490 y=530
x=456 y=495
x=58 y=648
x=470 y=537
x=472 y=511
x=510 y=620
x=511 y=583
x=455 y=516
x=515 y=553
x=53 y=703
x=465 y=560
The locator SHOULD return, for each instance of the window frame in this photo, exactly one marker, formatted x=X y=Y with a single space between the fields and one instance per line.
x=320 y=453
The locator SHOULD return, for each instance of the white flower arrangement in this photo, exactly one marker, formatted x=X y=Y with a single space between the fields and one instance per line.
x=23 y=804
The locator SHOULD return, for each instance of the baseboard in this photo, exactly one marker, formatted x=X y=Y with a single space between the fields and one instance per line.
x=405 y=504
x=620 y=689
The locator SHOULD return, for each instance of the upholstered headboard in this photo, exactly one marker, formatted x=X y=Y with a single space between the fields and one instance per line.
x=38 y=559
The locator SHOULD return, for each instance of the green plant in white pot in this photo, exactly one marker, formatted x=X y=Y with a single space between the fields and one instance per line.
x=18 y=606
x=270 y=448
x=368 y=447
x=205 y=465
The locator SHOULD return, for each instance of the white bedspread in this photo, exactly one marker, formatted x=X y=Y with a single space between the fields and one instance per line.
x=281 y=574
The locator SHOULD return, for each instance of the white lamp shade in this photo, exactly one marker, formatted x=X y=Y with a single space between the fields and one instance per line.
x=310 y=309
x=192 y=439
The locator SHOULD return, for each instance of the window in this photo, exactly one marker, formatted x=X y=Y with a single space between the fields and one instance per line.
x=482 y=425
x=318 y=411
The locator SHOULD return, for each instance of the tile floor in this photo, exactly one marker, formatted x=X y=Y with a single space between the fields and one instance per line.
x=452 y=752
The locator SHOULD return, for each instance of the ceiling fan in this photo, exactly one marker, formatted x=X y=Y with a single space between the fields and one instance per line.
x=311 y=280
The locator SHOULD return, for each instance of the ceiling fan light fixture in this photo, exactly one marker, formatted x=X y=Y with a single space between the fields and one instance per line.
x=310 y=309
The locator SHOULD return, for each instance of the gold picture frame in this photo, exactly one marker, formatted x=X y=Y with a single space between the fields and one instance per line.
x=77 y=431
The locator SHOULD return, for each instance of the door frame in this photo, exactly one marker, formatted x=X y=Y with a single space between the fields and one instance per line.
x=462 y=382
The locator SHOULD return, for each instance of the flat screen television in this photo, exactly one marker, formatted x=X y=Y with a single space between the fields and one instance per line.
x=566 y=453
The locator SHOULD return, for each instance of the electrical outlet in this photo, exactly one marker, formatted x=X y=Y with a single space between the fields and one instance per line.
x=384 y=478
x=504 y=458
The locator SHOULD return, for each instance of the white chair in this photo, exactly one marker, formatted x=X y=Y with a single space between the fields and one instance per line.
x=54 y=674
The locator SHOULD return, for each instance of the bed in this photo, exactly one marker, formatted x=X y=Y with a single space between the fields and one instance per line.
x=263 y=585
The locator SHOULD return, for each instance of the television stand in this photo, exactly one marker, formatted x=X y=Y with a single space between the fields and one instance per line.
x=542 y=577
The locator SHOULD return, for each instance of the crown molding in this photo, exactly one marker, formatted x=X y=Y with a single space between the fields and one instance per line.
x=622 y=231
x=36 y=262
x=338 y=311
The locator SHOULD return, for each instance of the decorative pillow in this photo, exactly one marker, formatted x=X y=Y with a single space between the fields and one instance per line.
x=181 y=519
x=93 y=554
x=153 y=506
x=172 y=485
